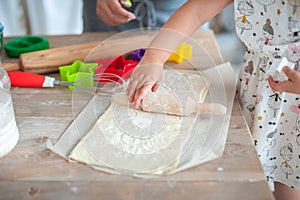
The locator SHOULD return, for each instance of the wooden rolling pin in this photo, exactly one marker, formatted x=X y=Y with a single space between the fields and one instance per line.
x=49 y=60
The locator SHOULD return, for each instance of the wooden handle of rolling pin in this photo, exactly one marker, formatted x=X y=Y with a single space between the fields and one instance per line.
x=49 y=60
x=10 y=66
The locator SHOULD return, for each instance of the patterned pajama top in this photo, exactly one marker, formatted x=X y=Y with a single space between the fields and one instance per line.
x=271 y=31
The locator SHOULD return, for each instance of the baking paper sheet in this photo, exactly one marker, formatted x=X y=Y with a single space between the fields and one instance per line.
x=205 y=142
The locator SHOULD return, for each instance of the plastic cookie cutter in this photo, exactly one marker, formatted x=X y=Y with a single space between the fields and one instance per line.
x=183 y=52
x=78 y=70
x=117 y=66
x=137 y=55
x=15 y=47
x=126 y=3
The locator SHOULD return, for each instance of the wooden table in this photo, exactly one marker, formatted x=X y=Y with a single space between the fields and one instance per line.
x=31 y=171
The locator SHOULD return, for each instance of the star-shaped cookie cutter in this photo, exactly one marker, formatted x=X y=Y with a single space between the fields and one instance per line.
x=76 y=71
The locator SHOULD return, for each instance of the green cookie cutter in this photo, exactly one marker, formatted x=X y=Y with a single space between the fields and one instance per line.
x=78 y=71
x=15 y=47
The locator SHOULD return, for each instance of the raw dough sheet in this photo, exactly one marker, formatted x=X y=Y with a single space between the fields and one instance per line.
x=125 y=140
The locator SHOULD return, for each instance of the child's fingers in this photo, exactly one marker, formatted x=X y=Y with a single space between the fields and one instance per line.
x=290 y=73
x=155 y=87
x=274 y=84
x=131 y=98
x=136 y=101
x=271 y=80
x=140 y=94
x=131 y=90
x=279 y=86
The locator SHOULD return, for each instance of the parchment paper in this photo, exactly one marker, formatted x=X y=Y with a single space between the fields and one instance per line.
x=202 y=137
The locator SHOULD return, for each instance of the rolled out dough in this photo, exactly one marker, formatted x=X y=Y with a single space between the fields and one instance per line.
x=130 y=140
x=180 y=94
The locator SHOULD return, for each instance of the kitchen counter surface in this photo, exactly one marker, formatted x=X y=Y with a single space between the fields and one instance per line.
x=31 y=171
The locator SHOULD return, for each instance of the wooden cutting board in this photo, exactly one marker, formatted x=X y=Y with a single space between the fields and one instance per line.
x=50 y=60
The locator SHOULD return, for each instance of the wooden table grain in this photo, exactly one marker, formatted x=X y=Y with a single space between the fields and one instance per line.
x=31 y=171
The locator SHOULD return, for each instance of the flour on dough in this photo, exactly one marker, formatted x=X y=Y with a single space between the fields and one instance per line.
x=179 y=96
x=130 y=140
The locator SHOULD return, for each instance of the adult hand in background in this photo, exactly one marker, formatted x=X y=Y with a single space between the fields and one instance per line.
x=144 y=78
x=291 y=86
x=112 y=13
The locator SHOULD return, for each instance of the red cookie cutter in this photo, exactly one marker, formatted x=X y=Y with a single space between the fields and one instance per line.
x=117 y=66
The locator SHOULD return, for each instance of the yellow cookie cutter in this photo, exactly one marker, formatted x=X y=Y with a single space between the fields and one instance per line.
x=183 y=52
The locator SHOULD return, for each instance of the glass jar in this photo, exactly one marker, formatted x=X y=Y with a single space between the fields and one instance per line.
x=9 y=133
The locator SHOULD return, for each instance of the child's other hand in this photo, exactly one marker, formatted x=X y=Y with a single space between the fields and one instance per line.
x=292 y=85
x=144 y=78
x=112 y=12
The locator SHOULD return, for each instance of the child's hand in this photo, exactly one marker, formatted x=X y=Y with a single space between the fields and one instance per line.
x=112 y=12
x=144 y=78
x=292 y=85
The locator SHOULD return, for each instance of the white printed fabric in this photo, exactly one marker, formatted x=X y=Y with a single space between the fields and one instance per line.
x=271 y=31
